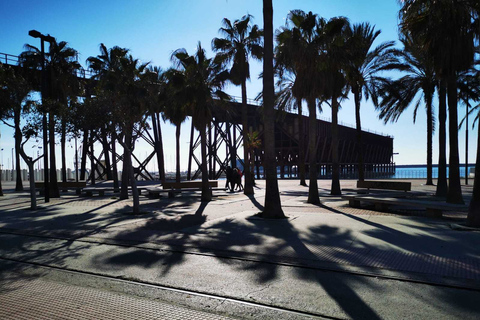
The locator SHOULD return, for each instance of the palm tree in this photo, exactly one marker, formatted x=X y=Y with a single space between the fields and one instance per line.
x=420 y=78
x=241 y=41
x=333 y=37
x=445 y=30
x=176 y=108
x=273 y=206
x=204 y=80
x=361 y=71
x=298 y=50
x=157 y=101
x=123 y=81
x=287 y=98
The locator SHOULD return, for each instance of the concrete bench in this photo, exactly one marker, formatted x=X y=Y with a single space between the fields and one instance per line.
x=89 y=191
x=188 y=184
x=154 y=192
x=434 y=208
x=69 y=185
x=384 y=185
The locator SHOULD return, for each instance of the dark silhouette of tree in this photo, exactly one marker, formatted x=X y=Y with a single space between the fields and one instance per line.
x=298 y=50
x=157 y=102
x=61 y=67
x=333 y=36
x=204 y=79
x=419 y=81
x=445 y=31
x=363 y=66
x=122 y=81
x=273 y=206
x=241 y=41
x=176 y=107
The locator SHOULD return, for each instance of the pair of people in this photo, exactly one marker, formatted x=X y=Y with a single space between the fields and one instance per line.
x=234 y=178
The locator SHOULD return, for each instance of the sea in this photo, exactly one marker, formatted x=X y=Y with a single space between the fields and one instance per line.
x=420 y=171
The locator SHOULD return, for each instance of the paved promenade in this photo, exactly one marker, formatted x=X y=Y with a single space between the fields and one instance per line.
x=328 y=260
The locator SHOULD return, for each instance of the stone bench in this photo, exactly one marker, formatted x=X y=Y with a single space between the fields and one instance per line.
x=78 y=186
x=434 y=208
x=154 y=192
x=188 y=184
x=384 y=185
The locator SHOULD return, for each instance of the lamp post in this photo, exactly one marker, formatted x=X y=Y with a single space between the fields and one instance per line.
x=43 y=38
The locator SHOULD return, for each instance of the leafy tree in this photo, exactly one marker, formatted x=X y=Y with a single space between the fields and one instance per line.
x=15 y=89
x=204 y=79
x=241 y=41
x=14 y=93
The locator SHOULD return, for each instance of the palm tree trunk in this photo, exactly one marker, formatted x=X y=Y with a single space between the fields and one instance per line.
x=473 y=218
x=177 y=139
x=116 y=186
x=63 y=143
x=206 y=192
x=361 y=162
x=313 y=196
x=130 y=172
x=273 y=205
x=335 y=188
x=18 y=141
x=442 y=186
x=454 y=194
x=106 y=152
x=126 y=167
x=428 y=98
x=301 y=145
x=54 y=192
x=92 y=161
x=248 y=189
x=157 y=134
x=83 y=165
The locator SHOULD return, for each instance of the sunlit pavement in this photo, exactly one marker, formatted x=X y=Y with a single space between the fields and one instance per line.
x=329 y=260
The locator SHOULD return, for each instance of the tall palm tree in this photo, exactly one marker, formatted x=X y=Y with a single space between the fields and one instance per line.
x=176 y=108
x=273 y=206
x=61 y=67
x=445 y=30
x=122 y=80
x=333 y=36
x=298 y=49
x=157 y=101
x=204 y=81
x=362 y=68
x=420 y=79
x=241 y=41
x=288 y=98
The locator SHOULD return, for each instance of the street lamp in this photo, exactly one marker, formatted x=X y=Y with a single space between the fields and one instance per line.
x=50 y=39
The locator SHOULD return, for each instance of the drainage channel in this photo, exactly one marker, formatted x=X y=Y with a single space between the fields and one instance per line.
x=249 y=305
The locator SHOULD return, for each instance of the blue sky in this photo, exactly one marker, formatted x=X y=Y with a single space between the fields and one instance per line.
x=152 y=30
